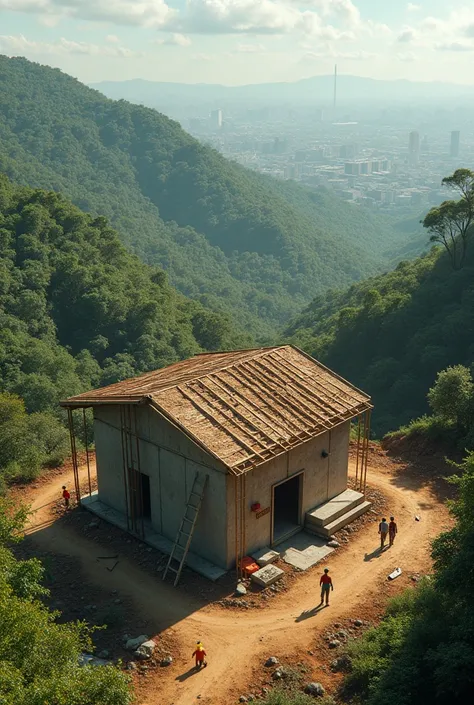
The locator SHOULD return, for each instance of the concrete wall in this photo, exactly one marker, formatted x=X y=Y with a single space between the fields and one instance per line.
x=323 y=479
x=171 y=461
x=108 y=444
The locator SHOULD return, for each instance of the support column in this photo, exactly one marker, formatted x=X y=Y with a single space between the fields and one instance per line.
x=87 y=452
x=75 y=466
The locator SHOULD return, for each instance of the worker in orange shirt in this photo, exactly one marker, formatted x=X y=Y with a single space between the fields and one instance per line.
x=326 y=585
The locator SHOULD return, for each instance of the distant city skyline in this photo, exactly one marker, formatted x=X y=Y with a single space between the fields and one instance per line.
x=243 y=41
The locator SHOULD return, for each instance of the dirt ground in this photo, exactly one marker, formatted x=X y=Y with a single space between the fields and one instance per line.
x=98 y=573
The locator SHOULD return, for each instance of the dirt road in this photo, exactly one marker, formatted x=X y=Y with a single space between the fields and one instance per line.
x=236 y=642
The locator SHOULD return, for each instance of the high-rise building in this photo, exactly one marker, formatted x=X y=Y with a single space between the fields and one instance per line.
x=455 y=139
x=414 y=147
x=216 y=119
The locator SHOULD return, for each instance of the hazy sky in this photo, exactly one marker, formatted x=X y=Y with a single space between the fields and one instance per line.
x=243 y=41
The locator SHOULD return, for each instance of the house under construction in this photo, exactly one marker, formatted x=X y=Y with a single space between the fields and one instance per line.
x=227 y=453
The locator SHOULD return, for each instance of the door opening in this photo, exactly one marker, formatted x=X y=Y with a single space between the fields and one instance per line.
x=146 y=496
x=140 y=496
x=287 y=508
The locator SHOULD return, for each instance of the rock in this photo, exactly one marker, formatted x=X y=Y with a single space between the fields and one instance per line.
x=145 y=650
x=118 y=601
x=243 y=699
x=131 y=666
x=315 y=689
x=277 y=675
x=90 y=660
x=358 y=623
x=342 y=664
x=93 y=525
x=337 y=625
x=272 y=661
x=133 y=644
x=167 y=661
x=343 y=634
x=103 y=654
x=240 y=590
x=334 y=644
x=334 y=544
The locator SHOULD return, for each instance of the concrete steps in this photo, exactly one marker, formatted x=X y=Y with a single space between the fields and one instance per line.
x=331 y=516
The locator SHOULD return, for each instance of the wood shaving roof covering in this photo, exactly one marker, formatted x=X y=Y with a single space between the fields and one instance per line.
x=244 y=407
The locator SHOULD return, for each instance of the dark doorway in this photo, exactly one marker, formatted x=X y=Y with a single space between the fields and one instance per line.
x=140 y=497
x=146 y=496
x=286 y=508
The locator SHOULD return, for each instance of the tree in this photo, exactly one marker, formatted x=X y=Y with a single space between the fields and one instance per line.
x=452 y=395
x=450 y=223
x=38 y=655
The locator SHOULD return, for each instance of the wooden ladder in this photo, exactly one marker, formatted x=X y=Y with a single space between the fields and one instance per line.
x=185 y=533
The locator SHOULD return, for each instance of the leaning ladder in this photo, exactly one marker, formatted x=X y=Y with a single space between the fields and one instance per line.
x=185 y=533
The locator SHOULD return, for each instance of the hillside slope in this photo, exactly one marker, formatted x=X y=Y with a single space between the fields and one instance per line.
x=235 y=240
x=393 y=333
x=77 y=310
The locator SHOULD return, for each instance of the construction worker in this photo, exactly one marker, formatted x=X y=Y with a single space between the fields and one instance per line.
x=392 y=531
x=200 y=655
x=66 y=497
x=326 y=585
x=383 y=531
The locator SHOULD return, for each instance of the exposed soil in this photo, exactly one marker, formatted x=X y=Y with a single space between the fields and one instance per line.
x=128 y=592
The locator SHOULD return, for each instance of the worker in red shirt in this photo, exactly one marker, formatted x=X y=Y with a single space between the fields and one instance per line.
x=200 y=655
x=392 y=531
x=326 y=585
x=66 y=497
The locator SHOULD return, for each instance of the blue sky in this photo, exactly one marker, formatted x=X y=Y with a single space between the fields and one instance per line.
x=243 y=41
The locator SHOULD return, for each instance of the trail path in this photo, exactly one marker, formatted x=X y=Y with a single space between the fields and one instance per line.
x=237 y=641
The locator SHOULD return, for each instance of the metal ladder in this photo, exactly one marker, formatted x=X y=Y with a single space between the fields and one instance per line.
x=185 y=533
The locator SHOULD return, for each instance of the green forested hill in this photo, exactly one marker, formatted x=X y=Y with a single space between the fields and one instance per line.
x=393 y=333
x=229 y=237
x=77 y=310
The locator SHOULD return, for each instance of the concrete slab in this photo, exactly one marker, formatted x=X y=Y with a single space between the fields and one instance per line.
x=152 y=538
x=265 y=556
x=336 y=507
x=304 y=550
x=268 y=575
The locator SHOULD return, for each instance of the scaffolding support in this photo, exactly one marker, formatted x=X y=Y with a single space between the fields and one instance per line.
x=75 y=466
x=87 y=451
x=368 y=419
x=358 y=451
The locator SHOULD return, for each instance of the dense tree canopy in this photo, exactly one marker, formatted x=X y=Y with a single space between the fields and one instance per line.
x=230 y=238
x=76 y=311
x=39 y=658
x=422 y=652
x=392 y=334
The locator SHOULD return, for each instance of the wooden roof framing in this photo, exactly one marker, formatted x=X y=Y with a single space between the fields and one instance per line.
x=243 y=407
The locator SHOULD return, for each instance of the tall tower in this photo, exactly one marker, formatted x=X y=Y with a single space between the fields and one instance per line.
x=414 y=148
x=335 y=92
x=455 y=140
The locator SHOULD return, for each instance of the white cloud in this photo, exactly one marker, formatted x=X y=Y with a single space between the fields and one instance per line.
x=176 y=39
x=454 y=46
x=241 y=16
x=146 y=13
x=411 y=7
x=408 y=35
x=249 y=48
x=332 y=54
x=19 y=44
x=112 y=39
